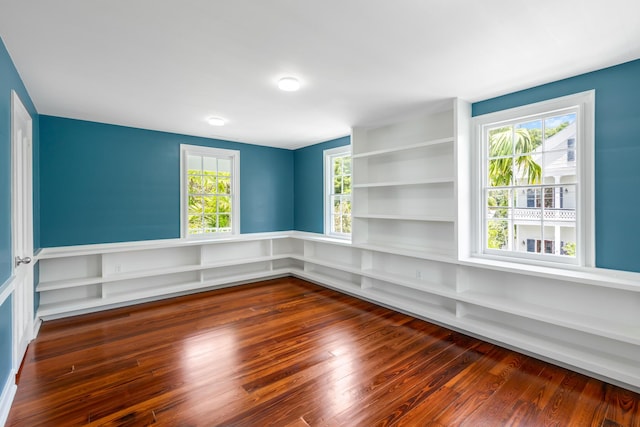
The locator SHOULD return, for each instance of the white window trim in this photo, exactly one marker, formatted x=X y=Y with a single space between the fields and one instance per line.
x=326 y=171
x=585 y=220
x=235 y=189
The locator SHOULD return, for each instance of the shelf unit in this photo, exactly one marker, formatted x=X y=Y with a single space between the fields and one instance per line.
x=74 y=280
x=586 y=320
x=404 y=183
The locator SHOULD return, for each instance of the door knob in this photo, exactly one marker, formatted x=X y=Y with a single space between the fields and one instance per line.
x=25 y=260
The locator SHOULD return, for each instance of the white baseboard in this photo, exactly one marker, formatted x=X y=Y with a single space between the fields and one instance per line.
x=36 y=327
x=6 y=399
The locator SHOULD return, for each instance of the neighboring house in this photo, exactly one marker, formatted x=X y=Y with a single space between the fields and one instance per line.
x=555 y=202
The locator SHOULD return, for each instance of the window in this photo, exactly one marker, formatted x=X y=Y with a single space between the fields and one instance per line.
x=210 y=191
x=535 y=184
x=337 y=191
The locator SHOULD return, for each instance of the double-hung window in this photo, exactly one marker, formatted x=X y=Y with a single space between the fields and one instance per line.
x=536 y=181
x=337 y=191
x=210 y=191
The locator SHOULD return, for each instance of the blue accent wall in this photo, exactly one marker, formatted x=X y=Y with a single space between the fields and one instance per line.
x=104 y=183
x=309 y=185
x=617 y=154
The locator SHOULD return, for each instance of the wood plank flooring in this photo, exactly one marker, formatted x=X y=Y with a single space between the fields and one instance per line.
x=289 y=353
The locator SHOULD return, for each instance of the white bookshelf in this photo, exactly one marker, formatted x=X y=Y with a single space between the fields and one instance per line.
x=404 y=179
x=80 y=279
x=588 y=319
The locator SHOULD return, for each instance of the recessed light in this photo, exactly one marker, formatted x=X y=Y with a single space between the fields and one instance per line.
x=289 y=84
x=216 y=121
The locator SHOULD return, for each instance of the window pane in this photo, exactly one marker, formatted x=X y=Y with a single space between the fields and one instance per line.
x=529 y=169
x=500 y=141
x=337 y=224
x=224 y=221
x=337 y=185
x=210 y=165
x=528 y=204
x=500 y=172
x=337 y=165
x=195 y=205
x=194 y=164
x=527 y=237
x=195 y=224
x=346 y=185
x=194 y=184
x=567 y=244
x=224 y=186
x=210 y=205
x=335 y=201
x=346 y=165
x=558 y=129
x=499 y=213
x=346 y=206
x=224 y=204
x=210 y=221
x=498 y=234
x=556 y=163
x=530 y=136
x=568 y=198
x=209 y=184
x=496 y=198
x=224 y=167
x=346 y=223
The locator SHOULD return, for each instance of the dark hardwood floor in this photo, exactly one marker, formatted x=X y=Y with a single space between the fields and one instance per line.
x=289 y=353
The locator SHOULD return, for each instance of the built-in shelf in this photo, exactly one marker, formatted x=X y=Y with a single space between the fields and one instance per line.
x=609 y=365
x=67 y=283
x=407 y=217
x=417 y=284
x=625 y=332
x=429 y=181
x=398 y=148
x=409 y=251
x=399 y=200
x=548 y=314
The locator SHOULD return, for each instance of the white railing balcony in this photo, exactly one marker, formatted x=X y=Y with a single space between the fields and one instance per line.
x=549 y=214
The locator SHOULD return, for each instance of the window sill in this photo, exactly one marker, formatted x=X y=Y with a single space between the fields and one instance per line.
x=602 y=277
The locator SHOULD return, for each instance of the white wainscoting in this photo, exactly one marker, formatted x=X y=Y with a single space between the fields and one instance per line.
x=9 y=386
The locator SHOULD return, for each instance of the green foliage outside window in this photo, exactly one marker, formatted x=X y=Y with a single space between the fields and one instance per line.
x=341 y=195
x=210 y=206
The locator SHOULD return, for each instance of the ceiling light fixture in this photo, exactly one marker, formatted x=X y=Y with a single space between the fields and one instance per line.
x=216 y=121
x=289 y=84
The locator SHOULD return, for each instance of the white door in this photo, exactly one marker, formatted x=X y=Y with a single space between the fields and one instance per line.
x=22 y=227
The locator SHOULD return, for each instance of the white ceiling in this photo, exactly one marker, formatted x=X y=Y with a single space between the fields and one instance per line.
x=168 y=65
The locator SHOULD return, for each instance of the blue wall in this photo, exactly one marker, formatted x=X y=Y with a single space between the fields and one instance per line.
x=617 y=154
x=309 y=186
x=104 y=183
